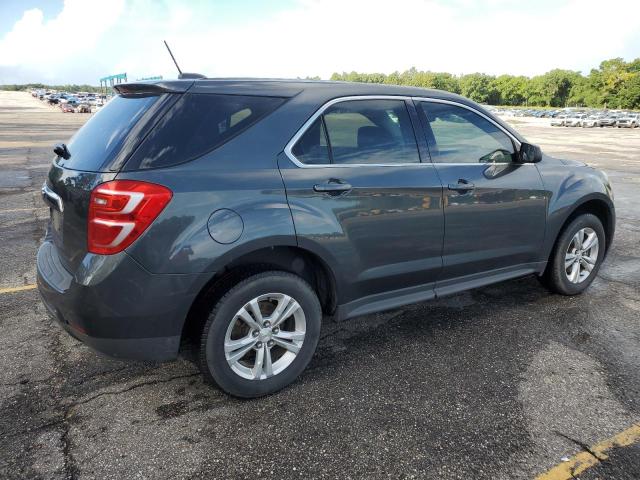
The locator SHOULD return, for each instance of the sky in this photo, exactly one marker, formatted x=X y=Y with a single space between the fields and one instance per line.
x=80 y=41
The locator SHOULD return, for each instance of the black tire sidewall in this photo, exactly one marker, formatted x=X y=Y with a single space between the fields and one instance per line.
x=558 y=276
x=213 y=361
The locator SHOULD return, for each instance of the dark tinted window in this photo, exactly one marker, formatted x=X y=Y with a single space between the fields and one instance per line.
x=371 y=131
x=462 y=136
x=97 y=142
x=197 y=124
x=312 y=146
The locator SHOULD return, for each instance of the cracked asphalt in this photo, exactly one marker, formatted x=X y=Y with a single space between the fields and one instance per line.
x=496 y=383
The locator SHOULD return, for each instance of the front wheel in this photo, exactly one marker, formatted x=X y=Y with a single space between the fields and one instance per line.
x=577 y=256
x=261 y=334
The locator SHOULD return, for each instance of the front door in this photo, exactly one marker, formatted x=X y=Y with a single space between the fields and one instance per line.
x=362 y=199
x=494 y=207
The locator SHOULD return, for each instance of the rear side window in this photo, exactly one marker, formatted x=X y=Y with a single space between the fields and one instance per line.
x=99 y=140
x=360 y=132
x=197 y=124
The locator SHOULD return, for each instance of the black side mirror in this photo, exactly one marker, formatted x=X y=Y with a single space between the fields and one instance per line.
x=61 y=150
x=529 y=153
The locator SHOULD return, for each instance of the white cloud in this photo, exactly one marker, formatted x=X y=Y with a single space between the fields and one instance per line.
x=316 y=37
x=50 y=46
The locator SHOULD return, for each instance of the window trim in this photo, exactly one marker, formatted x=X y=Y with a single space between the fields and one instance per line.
x=288 y=148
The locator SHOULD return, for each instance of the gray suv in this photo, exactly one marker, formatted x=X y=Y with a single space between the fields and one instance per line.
x=228 y=217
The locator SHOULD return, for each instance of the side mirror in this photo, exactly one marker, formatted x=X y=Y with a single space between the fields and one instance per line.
x=529 y=153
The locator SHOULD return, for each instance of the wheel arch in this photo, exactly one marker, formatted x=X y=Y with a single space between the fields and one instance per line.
x=601 y=207
x=293 y=259
x=597 y=204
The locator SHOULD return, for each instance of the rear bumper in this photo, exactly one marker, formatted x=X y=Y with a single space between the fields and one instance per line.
x=115 y=306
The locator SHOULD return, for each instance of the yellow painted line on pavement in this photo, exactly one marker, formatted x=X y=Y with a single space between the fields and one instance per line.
x=597 y=453
x=18 y=289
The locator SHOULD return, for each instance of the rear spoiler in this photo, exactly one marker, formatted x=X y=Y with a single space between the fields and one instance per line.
x=153 y=88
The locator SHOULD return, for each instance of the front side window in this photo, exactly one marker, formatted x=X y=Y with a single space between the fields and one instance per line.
x=360 y=132
x=462 y=136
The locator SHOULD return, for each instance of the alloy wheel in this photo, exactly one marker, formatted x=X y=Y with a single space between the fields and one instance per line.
x=265 y=336
x=582 y=255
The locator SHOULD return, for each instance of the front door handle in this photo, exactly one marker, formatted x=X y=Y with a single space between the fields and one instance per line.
x=332 y=187
x=462 y=186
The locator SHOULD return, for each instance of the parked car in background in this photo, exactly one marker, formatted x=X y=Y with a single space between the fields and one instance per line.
x=628 y=121
x=591 y=121
x=609 y=120
x=67 y=108
x=574 y=120
x=558 y=121
x=228 y=217
x=83 y=108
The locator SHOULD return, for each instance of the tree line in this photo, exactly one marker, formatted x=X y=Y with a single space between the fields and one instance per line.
x=614 y=84
x=71 y=88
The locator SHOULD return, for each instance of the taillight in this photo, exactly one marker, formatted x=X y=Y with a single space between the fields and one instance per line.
x=120 y=210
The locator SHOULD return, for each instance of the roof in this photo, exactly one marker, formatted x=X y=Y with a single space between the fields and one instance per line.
x=314 y=92
x=287 y=87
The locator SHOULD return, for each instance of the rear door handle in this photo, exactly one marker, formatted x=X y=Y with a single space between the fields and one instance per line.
x=332 y=187
x=462 y=186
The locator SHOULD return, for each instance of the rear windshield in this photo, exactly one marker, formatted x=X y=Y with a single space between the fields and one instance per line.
x=98 y=141
x=197 y=124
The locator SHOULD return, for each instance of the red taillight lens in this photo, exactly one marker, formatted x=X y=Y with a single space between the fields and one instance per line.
x=120 y=210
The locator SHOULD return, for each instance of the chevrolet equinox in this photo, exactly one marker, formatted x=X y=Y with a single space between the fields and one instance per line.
x=228 y=217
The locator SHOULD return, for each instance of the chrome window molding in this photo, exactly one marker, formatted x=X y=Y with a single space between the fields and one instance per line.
x=289 y=147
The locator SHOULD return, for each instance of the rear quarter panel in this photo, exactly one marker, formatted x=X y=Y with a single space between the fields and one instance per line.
x=242 y=175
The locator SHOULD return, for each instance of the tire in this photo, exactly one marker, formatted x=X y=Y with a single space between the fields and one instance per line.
x=556 y=277
x=248 y=377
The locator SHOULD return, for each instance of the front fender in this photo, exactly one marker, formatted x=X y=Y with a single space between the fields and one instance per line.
x=569 y=188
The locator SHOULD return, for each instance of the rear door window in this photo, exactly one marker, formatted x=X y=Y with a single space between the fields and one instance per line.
x=312 y=147
x=360 y=132
x=197 y=124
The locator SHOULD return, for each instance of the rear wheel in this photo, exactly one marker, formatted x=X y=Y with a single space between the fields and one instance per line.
x=261 y=334
x=577 y=256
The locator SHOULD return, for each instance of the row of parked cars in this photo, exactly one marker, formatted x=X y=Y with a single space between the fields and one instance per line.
x=601 y=119
x=81 y=102
x=576 y=118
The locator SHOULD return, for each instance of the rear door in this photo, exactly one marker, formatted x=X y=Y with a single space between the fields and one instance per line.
x=363 y=200
x=494 y=207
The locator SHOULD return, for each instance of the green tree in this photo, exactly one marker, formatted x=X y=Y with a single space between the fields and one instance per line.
x=629 y=94
x=480 y=88
x=512 y=90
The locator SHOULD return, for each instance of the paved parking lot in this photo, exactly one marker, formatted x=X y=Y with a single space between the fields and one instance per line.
x=502 y=382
